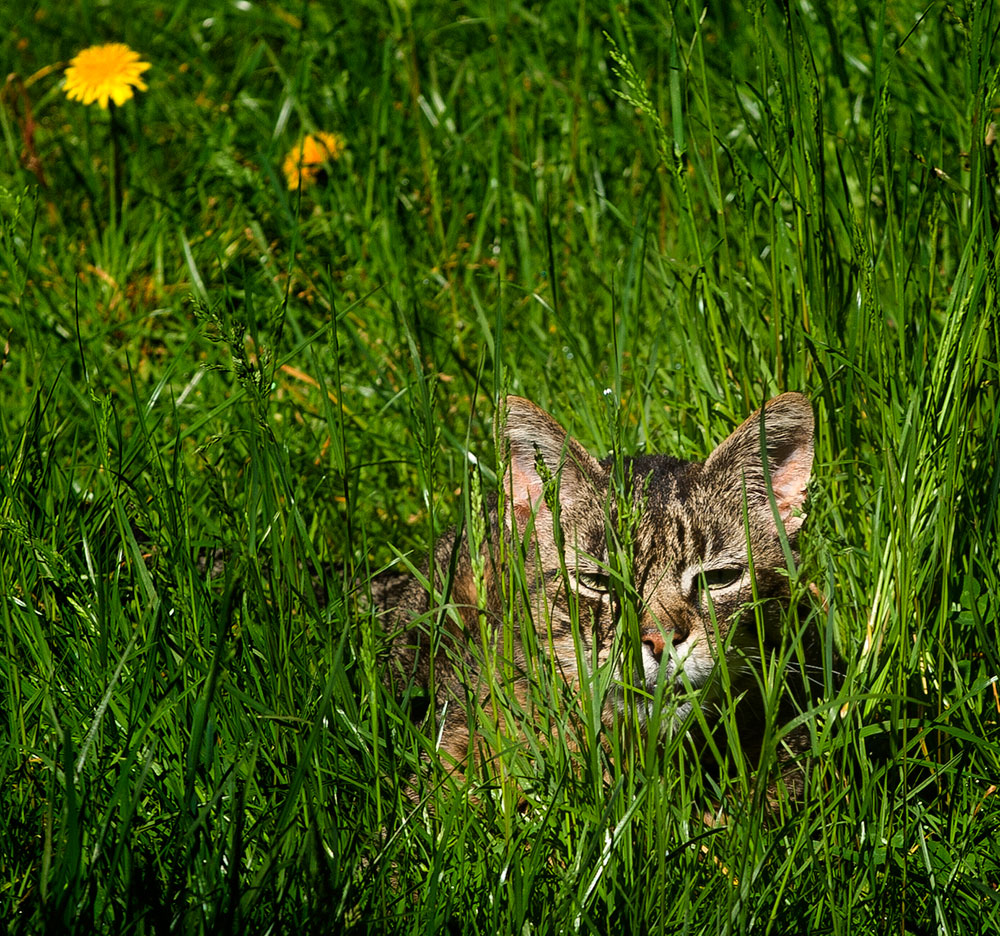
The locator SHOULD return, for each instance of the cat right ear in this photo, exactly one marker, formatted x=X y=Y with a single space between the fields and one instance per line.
x=535 y=445
x=787 y=425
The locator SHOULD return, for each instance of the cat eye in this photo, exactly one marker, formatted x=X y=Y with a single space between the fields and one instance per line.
x=722 y=578
x=594 y=581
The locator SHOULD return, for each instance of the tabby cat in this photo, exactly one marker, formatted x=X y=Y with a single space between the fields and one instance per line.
x=695 y=529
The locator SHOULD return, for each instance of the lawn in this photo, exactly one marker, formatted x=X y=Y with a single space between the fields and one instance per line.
x=235 y=384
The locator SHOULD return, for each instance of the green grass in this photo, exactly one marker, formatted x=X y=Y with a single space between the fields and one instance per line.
x=553 y=199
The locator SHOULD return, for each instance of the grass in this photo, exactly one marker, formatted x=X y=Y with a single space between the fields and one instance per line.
x=694 y=209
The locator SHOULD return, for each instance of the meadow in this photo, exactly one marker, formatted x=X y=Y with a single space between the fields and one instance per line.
x=647 y=218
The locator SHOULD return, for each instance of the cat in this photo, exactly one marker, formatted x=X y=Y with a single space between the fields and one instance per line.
x=690 y=585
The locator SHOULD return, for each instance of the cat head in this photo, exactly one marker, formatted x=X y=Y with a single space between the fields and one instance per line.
x=697 y=526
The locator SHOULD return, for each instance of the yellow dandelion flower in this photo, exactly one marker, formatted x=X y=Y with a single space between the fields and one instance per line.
x=104 y=72
x=308 y=158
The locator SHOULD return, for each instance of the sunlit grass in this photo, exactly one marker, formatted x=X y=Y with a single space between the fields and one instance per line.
x=693 y=211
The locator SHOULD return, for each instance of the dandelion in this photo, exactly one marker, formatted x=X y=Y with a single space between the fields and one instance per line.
x=307 y=159
x=104 y=72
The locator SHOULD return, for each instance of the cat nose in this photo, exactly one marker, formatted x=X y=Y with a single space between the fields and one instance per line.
x=654 y=640
x=652 y=637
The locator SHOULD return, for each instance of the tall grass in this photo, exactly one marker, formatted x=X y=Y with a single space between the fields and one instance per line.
x=694 y=208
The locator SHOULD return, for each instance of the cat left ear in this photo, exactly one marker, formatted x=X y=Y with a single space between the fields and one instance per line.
x=536 y=445
x=787 y=425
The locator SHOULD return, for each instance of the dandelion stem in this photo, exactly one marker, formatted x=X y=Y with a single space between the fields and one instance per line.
x=116 y=169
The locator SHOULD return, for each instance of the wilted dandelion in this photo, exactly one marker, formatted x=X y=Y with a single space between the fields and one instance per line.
x=104 y=72
x=307 y=159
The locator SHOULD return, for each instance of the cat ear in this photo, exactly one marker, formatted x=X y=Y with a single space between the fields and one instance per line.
x=536 y=444
x=787 y=425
